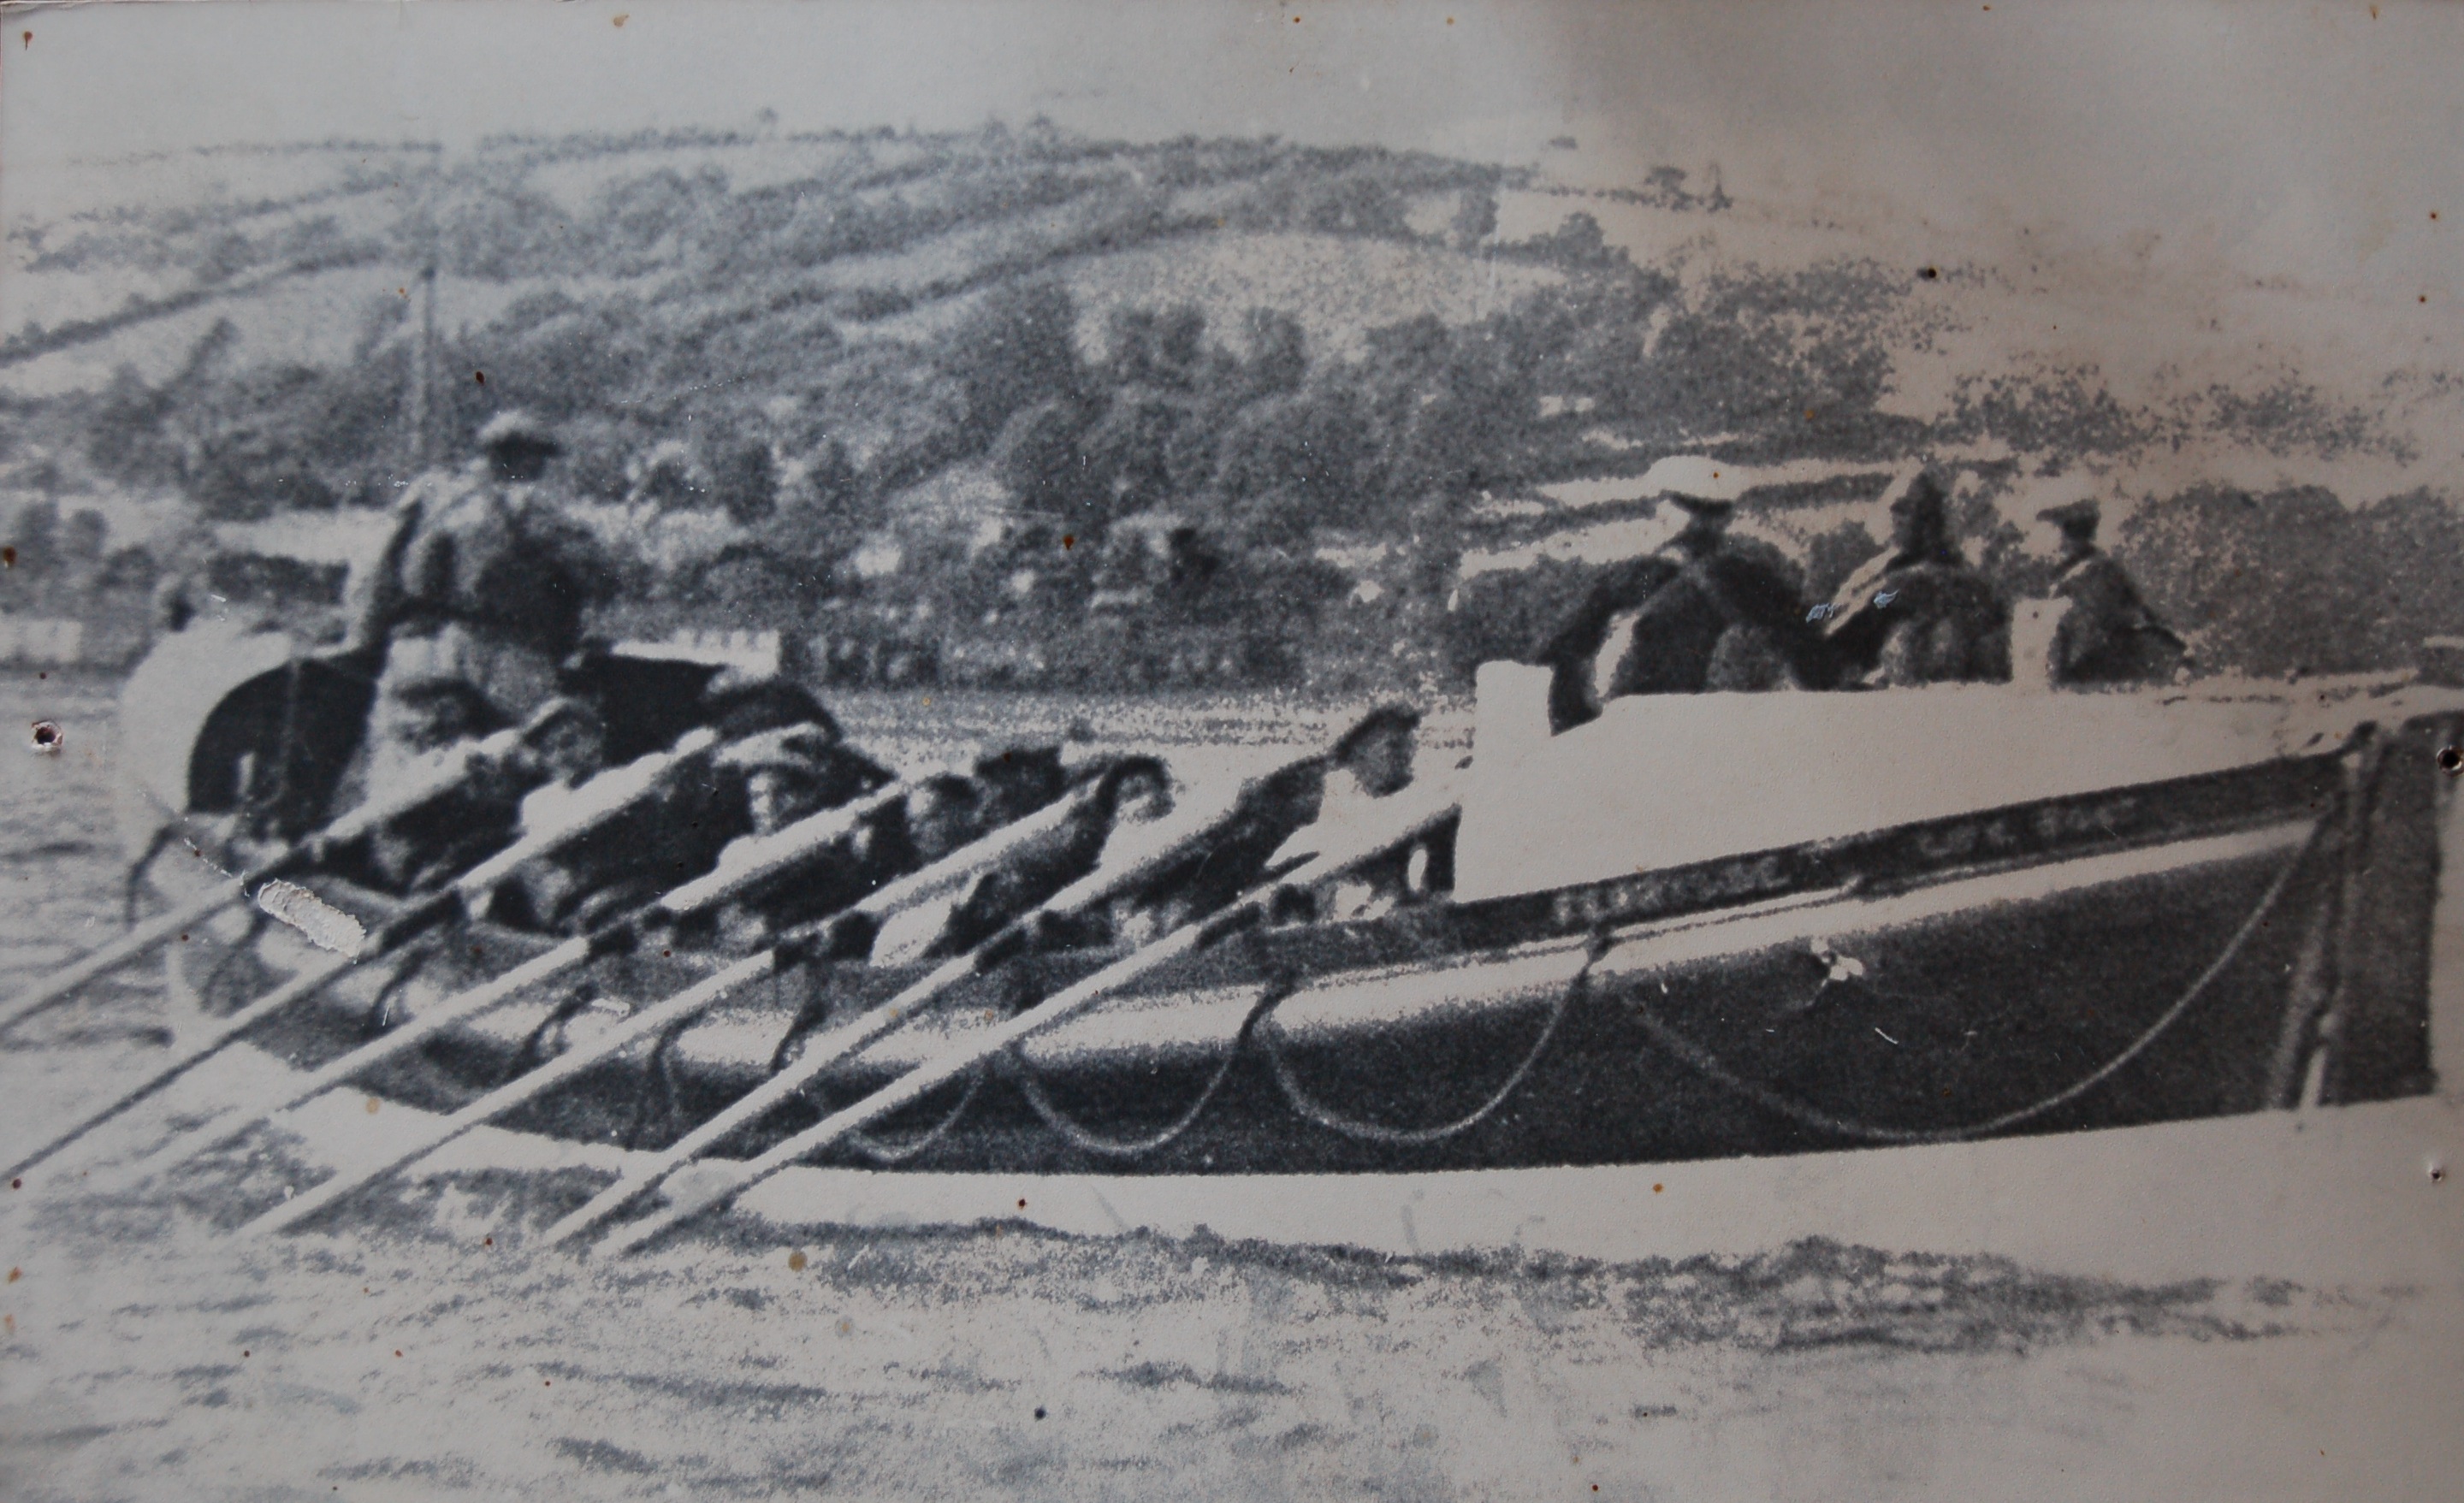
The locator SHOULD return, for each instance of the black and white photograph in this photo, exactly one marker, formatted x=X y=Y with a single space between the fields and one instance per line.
x=1075 y=751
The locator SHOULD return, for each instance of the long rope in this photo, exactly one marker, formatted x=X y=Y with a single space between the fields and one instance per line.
x=208 y=992
x=891 y=1155
x=1078 y=1136
x=1704 y=1061
x=1324 y=1116
x=654 y=1105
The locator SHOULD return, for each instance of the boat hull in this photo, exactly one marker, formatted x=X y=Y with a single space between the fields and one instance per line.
x=2222 y=945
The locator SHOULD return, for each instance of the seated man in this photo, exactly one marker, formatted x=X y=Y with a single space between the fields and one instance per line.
x=1132 y=793
x=425 y=724
x=2106 y=633
x=612 y=868
x=1128 y=808
x=943 y=816
x=568 y=741
x=1373 y=763
x=1710 y=612
x=742 y=707
x=788 y=775
x=1919 y=613
x=1016 y=781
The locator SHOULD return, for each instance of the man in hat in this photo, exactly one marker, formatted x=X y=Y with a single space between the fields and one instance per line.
x=481 y=583
x=944 y=815
x=789 y=775
x=2105 y=633
x=949 y=812
x=1725 y=615
x=1373 y=762
x=1016 y=781
x=426 y=722
x=1110 y=819
x=1123 y=824
x=1919 y=612
x=436 y=721
x=611 y=869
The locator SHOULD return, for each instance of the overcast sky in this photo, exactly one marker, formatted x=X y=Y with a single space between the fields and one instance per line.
x=2307 y=141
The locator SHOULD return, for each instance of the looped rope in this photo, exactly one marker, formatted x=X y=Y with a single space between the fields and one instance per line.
x=380 y=1010
x=1280 y=983
x=655 y=1106
x=533 y=1051
x=132 y=882
x=1708 y=1066
x=891 y=1155
x=208 y=990
x=1324 y=1116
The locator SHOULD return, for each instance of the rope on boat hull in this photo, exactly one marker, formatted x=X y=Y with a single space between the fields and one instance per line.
x=1087 y=1141
x=1805 y=1114
x=889 y=1156
x=1326 y=1116
x=1283 y=983
x=1258 y=1024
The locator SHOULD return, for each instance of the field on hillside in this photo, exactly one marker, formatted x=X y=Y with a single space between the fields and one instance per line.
x=957 y=386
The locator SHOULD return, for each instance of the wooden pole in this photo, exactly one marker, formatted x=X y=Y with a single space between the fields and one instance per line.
x=1252 y=908
x=858 y=1033
x=776 y=854
x=596 y=802
x=681 y=1008
x=652 y=1020
x=119 y=952
x=368 y=817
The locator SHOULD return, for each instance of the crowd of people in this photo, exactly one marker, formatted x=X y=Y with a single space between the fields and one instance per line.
x=472 y=618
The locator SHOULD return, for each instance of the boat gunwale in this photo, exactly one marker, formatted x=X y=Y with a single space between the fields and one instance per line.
x=1447 y=937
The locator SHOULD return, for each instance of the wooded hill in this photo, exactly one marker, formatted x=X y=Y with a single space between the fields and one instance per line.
x=944 y=370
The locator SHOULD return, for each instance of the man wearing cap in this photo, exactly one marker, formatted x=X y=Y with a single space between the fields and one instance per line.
x=1122 y=825
x=945 y=814
x=789 y=775
x=1727 y=616
x=428 y=720
x=606 y=871
x=949 y=812
x=480 y=583
x=1016 y=781
x=1373 y=762
x=1919 y=613
x=2105 y=633
x=1104 y=825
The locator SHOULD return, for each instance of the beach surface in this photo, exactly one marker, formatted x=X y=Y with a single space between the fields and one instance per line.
x=424 y=1347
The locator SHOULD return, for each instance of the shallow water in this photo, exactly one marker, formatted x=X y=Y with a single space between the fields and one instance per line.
x=422 y=1348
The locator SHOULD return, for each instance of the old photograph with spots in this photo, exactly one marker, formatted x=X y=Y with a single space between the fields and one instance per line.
x=1074 y=750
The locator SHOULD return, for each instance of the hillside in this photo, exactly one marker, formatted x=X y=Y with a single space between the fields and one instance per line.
x=925 y=376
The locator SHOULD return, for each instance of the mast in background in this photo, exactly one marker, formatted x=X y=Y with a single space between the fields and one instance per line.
x=422 y=374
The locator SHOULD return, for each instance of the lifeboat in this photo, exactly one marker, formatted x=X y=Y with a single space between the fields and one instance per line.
x=1774 y=927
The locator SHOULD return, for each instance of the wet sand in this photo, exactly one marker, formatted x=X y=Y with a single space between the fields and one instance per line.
x=423 y=1348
